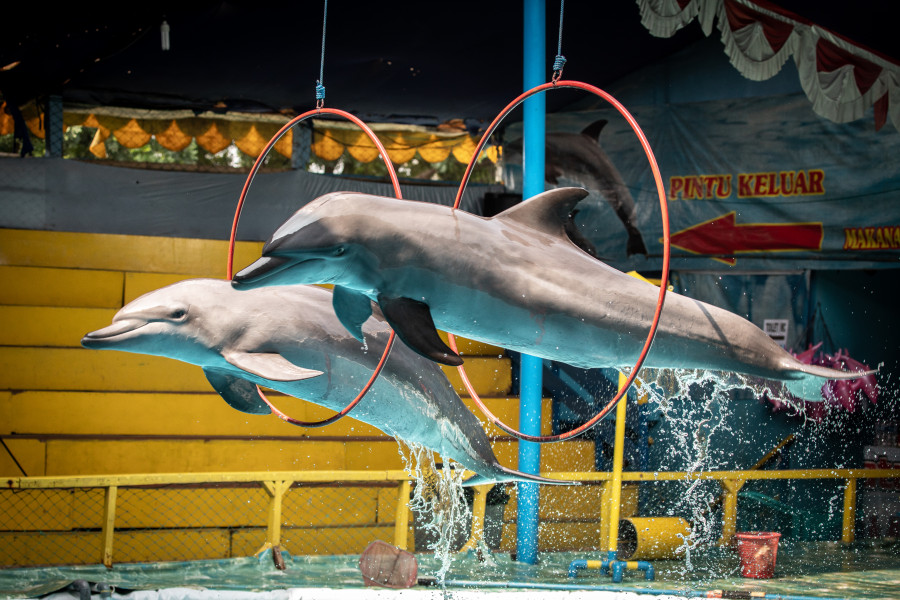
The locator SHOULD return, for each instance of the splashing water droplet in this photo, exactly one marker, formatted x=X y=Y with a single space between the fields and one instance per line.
x=438 y=500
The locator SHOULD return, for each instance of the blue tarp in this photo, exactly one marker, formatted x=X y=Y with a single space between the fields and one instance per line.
x=752 y=184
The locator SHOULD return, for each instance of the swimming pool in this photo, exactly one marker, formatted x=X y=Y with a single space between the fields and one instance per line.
x=866 y=571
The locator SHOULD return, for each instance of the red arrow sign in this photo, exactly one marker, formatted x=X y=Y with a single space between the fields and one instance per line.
x=722 y=236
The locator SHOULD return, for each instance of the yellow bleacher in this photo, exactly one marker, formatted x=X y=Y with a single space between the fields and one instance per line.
x=66 y=410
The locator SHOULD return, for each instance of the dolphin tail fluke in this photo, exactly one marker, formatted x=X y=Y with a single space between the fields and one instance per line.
x=635 y=244
x=511 y=475
x=808 y=385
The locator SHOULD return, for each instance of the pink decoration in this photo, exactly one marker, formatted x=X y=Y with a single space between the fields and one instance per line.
x=837 y=395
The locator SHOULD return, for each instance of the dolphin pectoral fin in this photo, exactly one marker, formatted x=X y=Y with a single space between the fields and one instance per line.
x=412 y=321
x=352 y=309
x=269 y=366
x=239 y=393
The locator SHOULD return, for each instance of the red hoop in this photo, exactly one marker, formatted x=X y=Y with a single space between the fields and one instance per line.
x=664 y=207
x=231 y=242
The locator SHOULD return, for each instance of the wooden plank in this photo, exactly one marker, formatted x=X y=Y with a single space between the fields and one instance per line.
x=333 y=540
x=373 y=455
x=138 y=284
x=26 y=368
x=507 y=410
x=28 y=549
x=202 y=258
x=160 y=413
x=121 y=252
x=469 y=347
x=577 y=455
x=22 y=455
x=491 y=377
x=50 y=326
x=328 y=506
x=171 y=545
x=39 y=286
x=82 y=369
x=75 y=457
x=582 y=503
x=42 y=510
x=156 y=508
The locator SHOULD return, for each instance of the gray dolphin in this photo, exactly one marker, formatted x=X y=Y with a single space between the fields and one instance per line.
x=289 y=340
x=579 y=158
x=514 y=280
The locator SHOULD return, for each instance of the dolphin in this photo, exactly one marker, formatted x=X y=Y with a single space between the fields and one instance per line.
x=288 y=339
x=515 y=280
x=579 y=158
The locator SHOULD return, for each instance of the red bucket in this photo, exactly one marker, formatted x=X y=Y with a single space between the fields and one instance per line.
x=758 y=550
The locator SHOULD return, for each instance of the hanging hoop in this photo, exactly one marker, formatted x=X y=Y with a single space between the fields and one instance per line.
x=664 y=208
x=231 y=242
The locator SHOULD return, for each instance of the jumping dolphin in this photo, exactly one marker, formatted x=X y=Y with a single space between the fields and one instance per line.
x=514 y=280
x=579 y=158
x=289 y=340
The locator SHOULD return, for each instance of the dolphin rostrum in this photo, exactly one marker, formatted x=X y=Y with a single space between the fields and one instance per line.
x=514 y=280
x=579 y=158
x=289 y=340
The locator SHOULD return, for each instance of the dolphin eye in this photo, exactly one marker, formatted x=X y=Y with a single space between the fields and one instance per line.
x=178 y=313
x=339 y=250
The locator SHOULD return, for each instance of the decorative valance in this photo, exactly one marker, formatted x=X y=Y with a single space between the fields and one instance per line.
x=841 y=78
x=174 y=131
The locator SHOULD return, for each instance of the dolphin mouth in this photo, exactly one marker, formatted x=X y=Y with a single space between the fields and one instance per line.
x=262 y=268
x=108 y=335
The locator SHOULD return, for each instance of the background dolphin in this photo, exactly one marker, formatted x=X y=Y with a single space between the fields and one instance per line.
x=579 y=158
x=289 y=340
x=514 y=280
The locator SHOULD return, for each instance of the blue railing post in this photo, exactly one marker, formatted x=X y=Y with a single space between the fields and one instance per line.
x=531 y=367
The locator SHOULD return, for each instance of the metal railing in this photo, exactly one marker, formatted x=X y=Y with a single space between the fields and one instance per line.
x=54 y=520
x=732 y=482
x=238 y=514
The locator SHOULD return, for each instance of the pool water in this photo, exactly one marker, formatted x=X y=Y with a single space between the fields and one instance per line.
x=811 y=569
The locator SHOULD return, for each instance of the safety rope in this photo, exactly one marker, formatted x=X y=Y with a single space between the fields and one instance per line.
x=320 y=83
x=229 y=270
x=560 y=61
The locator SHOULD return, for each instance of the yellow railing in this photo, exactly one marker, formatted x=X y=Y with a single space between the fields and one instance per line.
x=277 y=484
x=733 y=481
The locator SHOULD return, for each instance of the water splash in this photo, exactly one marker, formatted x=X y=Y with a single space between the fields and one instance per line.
x=437 y=499
x=694 y=405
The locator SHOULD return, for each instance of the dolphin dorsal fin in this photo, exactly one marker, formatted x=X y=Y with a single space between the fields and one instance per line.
x=547 y=212
x=593 y=130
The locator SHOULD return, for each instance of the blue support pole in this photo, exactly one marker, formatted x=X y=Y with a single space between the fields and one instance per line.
x=531 y=367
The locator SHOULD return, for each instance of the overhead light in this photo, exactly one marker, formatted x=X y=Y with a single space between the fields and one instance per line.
x=164 y=34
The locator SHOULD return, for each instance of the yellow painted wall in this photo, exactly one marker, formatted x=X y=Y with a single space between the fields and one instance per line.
x=94 y=457
x=60 y=287
x=149 y=254
x=65 y=410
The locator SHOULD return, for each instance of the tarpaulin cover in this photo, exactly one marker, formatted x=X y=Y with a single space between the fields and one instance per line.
x=762 y=184
x=67 y=195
